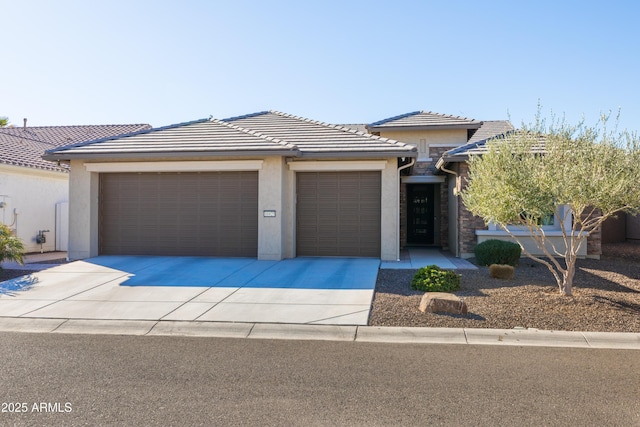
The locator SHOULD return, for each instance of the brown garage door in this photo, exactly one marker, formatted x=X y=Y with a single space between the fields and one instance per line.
x=208 y=214
x=338 y=214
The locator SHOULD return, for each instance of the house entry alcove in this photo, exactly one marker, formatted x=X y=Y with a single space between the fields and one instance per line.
x=420 y=214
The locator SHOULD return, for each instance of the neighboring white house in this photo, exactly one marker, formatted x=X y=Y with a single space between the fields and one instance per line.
x=34 y=193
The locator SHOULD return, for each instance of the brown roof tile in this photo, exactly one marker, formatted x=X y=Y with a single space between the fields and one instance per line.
x=24 y=146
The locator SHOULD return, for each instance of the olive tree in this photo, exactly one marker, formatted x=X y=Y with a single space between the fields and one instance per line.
x=580 y=174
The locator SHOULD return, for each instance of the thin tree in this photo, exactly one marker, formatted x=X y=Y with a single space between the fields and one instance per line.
x=580 y=174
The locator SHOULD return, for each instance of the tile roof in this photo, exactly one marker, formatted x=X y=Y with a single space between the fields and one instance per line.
x=491 y=128
x=318 y=139
x=24 y=146
x=462 y=153
x=263 y=133
x=198 y=137
x=424 y=120
x=361 y=127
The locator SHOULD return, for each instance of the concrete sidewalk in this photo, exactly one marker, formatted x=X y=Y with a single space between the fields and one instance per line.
x=417 y=257
x=360 y=334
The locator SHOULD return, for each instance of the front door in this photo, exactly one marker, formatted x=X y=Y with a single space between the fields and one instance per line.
x=420 y=214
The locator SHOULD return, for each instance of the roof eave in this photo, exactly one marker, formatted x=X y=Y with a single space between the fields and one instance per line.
x=174 y=154
x=424 y=127
x=358 y=154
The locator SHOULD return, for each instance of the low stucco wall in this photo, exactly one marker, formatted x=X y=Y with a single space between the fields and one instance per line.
x=30 y=197
x=553 y=240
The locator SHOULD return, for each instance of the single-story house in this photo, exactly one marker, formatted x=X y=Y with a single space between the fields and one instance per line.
x=271 y=185
x=34 y=193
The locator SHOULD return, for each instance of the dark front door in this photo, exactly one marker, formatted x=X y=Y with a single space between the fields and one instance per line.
x=420 y=214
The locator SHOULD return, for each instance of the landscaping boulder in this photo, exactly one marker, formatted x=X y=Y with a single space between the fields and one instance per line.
x=442 y=302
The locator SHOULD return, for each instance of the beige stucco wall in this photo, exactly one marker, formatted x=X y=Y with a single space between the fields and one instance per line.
x=33 y=195
x=390 y=220
x=83 y=212
x=270 y=197
x=529 y=244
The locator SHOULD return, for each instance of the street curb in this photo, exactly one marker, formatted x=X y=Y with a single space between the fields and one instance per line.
x=360 y=334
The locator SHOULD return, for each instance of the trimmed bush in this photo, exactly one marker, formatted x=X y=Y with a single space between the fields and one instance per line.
x=497 y=252
x=501 y=271
x=434 y=279
x=11 y=248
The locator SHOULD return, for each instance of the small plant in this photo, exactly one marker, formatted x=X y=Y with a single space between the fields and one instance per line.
x=497 y=252
x=501 y=271
x=11 y=248
x=434 y=279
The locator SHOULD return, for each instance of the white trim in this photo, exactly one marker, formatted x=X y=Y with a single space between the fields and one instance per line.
x=322 y=166
x=185 y=166
x=519 y=233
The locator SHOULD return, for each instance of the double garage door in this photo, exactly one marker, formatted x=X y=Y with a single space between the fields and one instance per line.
x=216 y=214
x=205 y=214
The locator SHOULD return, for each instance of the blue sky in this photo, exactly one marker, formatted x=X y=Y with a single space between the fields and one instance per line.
x=162 y=62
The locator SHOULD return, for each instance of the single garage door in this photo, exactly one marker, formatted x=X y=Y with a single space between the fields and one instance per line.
x=204 y=214
x=338 y=214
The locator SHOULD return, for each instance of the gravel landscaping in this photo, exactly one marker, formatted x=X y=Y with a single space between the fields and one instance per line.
x=606 y=297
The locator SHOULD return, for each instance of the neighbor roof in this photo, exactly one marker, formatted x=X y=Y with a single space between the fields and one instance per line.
x=24 y=146
x=264 y=133
x=424 y=120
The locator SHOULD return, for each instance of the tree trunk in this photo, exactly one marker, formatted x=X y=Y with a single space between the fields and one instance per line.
x=569 y=273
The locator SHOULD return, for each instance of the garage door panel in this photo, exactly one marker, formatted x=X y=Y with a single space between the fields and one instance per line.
x=338 y=213
x=179 y=213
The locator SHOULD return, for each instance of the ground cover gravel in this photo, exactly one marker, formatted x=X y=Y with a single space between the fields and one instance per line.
x=606 y=297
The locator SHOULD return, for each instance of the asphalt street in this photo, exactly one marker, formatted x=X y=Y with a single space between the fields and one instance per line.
x=51 y=379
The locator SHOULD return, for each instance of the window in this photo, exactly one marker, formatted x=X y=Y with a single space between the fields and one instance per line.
x=549 y=222
x=545 y=221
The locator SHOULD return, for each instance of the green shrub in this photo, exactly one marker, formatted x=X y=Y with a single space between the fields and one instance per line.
x=11 y=248
x=434 y=279
x=497 y=252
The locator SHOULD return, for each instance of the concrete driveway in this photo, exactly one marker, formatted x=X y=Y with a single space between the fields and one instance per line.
x=336 y=291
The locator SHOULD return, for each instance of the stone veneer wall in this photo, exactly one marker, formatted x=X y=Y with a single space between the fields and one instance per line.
x=594 y=243
x=467 y=223
x=444 y=216
x=403 y=215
